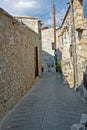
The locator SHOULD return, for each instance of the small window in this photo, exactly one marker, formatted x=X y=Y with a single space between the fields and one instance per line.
x=65 y=36
x=53 y=46
x=80 y=34
x=70 y=50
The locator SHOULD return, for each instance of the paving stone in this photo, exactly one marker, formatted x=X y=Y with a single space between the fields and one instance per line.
x=83 y=119
x=49 y=105
x=77 y=127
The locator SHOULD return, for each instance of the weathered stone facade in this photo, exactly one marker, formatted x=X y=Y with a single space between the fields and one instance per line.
x=64 y=40
x=81 y=49
x=31 y=22
x=71 y=42
x=17 y=60
x=47 y=39
x=77 y=39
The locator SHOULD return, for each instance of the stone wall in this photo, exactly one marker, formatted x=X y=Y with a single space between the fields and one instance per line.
x=47 y=52
x=78 y=14
x=17 y=60
x=82 y=52
x=78 y=40
x=64 y=40
x=31 y=22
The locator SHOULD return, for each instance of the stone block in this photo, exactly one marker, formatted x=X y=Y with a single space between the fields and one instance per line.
x=77 y=127
x=83 y=119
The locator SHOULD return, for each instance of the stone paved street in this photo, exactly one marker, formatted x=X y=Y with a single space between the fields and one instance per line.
x=49 y=105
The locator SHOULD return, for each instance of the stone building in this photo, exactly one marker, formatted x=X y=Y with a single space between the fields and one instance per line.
x=71 y=43
x=47 y=40
x=73 y=33
x=20 y=59
x=64 y=39
x=32 y=22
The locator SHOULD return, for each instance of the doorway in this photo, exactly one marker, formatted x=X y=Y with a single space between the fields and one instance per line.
x=36 y=61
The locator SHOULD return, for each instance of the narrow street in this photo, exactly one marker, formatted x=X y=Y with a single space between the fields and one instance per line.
x=49 y=105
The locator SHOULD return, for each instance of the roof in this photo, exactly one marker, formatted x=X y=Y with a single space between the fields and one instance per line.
x=5 y=12
x=68 y=10
x=66 y=15
x=27 y=17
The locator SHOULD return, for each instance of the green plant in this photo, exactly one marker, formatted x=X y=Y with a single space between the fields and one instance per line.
x=59 y=68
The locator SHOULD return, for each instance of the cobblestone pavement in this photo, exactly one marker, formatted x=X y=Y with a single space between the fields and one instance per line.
x=49 y=105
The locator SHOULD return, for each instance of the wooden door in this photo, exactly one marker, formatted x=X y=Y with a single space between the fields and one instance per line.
x=36 y=62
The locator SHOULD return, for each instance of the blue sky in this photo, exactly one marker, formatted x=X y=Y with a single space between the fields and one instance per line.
x=36 y=8
x=85 y=8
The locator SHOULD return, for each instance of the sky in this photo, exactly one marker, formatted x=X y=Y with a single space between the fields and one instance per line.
x=85 y=8
x=36 y=8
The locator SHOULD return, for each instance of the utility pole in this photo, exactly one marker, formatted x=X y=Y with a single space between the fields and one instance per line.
x=54 y=21
x=74 y=46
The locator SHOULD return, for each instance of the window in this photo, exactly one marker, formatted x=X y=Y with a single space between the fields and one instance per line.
x=70 y=50
x=80 y=34
x=53 y=46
